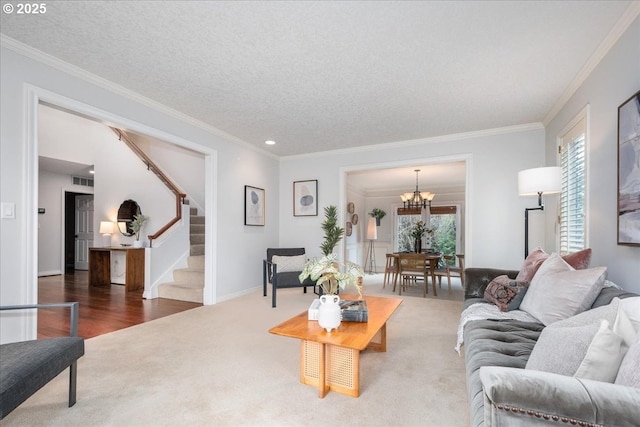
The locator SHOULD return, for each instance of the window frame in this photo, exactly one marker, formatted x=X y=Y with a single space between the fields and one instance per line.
x=578 y=126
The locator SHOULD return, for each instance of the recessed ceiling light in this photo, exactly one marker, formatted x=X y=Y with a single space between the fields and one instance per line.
x=270 y=142
x=92 y=171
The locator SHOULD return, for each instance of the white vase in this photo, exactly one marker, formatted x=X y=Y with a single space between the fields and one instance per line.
x=138 y=244
x=329 y=314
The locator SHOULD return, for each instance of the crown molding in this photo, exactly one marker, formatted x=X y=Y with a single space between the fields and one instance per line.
x=623 y=24
x=67 y=68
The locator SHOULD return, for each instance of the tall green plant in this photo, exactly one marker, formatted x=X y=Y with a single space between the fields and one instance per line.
x=332 y=233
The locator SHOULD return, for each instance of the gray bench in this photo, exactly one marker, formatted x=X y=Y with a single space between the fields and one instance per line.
x=26 y=366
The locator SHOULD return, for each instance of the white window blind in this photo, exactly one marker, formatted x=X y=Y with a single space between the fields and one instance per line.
x=572 y=198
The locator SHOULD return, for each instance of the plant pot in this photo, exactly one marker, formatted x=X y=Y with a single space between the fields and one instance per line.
x=417 y=246
x=378 y=222
x=138 y=244
x=329 y=314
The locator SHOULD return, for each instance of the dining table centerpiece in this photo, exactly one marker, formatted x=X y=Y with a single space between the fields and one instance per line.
x=417 y=232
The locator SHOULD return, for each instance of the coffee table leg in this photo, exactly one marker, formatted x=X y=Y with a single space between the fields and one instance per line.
x=380 y=346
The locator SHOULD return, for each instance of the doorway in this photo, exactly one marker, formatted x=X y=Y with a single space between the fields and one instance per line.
x=78 y=230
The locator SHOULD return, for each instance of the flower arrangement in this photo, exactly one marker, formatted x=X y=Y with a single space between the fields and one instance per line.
x=419 y=230
x=326 y=271
x=138 y=223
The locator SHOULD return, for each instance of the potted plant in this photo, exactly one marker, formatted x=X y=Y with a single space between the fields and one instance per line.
x=136 y=226
x=419 y=230
x=378 y=214
x=327 y=271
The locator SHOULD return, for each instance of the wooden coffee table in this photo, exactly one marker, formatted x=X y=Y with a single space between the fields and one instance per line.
x=331 y=361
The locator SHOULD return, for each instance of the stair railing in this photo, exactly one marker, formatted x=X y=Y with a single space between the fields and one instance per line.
x=180 y=196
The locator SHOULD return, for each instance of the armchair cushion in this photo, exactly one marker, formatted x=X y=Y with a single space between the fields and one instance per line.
x=289 y=263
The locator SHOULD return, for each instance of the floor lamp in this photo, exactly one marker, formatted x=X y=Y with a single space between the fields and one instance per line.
x=372 y=234
x=537 y=181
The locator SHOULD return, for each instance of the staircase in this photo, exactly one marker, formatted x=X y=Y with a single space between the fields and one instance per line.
x=188 y=283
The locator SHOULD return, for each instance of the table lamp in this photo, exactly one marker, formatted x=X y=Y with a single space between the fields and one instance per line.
x=106 y=229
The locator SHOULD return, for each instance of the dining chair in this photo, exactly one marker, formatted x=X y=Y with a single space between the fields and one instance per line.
x=411 y=268
x=453 y=271
x=390 y=270
x=443 y=270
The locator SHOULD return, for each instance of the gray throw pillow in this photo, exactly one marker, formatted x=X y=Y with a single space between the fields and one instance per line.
x=558 y=291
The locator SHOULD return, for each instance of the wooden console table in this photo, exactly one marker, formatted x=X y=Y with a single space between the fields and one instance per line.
x=100 y=267
x=331 y=361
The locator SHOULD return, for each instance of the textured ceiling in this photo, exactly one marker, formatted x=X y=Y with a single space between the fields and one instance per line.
x=317 y=76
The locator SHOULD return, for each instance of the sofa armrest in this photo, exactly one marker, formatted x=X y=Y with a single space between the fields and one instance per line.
x=477 y=279
x=525 y=397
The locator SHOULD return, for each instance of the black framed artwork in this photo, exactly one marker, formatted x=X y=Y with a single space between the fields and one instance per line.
x=629 y=171
x=305 y=198
x=253 y=205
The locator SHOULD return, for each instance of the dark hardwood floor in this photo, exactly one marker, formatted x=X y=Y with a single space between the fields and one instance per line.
x=102 y=309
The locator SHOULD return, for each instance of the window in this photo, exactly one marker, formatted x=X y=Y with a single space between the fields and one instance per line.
x=443 y=220
x=572 y=151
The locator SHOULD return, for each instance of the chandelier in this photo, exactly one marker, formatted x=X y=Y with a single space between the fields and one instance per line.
x=417 y=200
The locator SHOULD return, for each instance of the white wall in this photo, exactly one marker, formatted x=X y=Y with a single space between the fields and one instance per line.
x=613 y=81
x=495 y=212
x=234 y=251
x=52 y=187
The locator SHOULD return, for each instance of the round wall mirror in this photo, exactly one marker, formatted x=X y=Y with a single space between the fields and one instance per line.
x=126 y=213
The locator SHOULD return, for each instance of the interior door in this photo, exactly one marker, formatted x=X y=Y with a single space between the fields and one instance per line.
x=83 y=231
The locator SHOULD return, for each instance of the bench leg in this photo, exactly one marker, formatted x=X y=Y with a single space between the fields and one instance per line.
x=73 y=372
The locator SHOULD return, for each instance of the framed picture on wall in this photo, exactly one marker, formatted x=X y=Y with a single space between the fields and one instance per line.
x=253 y=205
x=629 y=171
x=305 y=198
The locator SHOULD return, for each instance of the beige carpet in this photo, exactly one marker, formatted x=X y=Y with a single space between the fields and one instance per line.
x=218 y=366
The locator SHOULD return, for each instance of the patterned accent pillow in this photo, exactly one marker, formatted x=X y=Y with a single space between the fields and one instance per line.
x=505 y=292
x=289 y=263
x=578 y=260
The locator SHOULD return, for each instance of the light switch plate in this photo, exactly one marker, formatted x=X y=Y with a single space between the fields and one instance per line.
x=8 y=210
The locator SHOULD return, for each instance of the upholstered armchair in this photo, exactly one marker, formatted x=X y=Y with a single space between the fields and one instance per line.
x=282 y=268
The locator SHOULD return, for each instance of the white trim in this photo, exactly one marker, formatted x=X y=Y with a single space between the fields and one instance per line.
x=625 y=21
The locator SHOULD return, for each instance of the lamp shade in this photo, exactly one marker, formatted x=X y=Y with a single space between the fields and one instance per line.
x=372 y=229
x=546 y=180
x=106 y=227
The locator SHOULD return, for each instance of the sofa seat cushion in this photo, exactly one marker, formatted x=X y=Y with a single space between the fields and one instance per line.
x=27 y=366
x=495 y=343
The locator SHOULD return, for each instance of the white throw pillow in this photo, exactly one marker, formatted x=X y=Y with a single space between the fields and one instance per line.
x=607 y=350
x=558 y=291
x=631 y=307
x=289 y=263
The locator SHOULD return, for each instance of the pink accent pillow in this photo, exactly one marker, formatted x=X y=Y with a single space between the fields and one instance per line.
x=531 y=264
x=578 y=260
